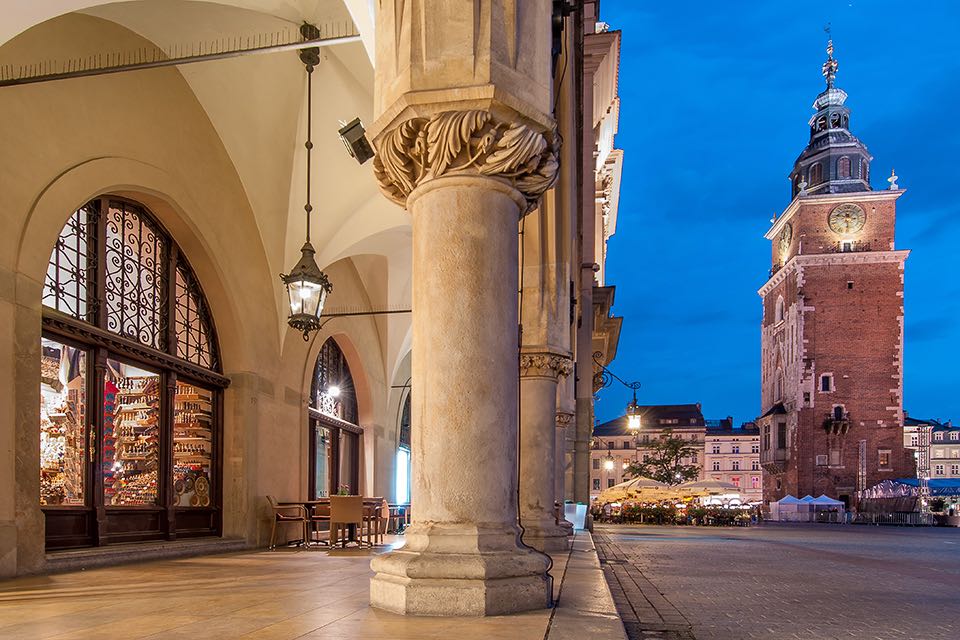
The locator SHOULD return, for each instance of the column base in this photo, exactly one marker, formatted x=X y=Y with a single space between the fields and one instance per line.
x=459 y=570
x=546 y=535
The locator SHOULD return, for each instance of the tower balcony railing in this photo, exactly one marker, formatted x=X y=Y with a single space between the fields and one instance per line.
x=836 y=424
x=849 y=246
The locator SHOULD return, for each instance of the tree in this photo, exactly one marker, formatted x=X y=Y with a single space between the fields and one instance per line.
x=664 y=461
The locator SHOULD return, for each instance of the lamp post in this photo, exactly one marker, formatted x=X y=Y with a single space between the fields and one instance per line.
x=604 y=378
x=307 y=286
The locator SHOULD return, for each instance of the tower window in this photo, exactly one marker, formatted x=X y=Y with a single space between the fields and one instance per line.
x=816 y=174
x=849 y=284
x=826 y=382
x=821 y=123
x=778 y=312
x=843 y=167
x=864 y=170
x=835 y=121
x=884 y=455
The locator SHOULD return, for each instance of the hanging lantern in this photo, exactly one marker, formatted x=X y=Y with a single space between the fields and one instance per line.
x=307 y=286
x=633 y=414
x=307 y=289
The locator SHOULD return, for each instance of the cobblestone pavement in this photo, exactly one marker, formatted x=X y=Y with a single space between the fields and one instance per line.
x=808 y=582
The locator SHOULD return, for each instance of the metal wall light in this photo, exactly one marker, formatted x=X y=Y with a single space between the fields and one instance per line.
x=307 y=286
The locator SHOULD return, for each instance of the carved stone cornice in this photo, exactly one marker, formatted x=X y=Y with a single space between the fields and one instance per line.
x=545 y=365
x=467 y=142
x=564 y=419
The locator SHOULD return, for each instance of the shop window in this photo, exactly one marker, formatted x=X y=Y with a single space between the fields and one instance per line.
x=130 y=384
x=333 y=429
x=63 y=424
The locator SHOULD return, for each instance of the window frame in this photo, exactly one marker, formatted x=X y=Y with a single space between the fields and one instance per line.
x=95 y=523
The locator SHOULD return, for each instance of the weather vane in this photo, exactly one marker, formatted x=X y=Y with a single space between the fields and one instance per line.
x=830 y=66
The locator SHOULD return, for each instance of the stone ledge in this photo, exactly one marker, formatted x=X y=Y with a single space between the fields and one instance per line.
x=131 y=552
x=585 y=608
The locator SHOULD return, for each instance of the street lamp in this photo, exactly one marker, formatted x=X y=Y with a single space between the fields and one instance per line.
x=604 y=378
x=307 y=286
x=633 y=413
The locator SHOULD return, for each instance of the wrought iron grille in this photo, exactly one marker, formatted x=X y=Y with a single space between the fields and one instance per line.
x=130 y=293
x=134 y=276
x=68 y=284
x=192 y=324
x=332 y=371
x=405 y=424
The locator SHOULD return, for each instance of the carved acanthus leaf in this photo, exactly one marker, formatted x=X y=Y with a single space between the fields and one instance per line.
x=545 y=364
x=465 y=142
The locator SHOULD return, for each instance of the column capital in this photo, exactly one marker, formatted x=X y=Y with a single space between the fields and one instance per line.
x=545 y=365
x=465 y=142
x=564 y=419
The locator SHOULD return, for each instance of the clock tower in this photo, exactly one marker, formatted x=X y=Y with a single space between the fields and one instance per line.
x=832 y=329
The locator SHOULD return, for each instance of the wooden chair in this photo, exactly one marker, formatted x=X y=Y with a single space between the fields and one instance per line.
x=319 y=514
x=287 y=513
x=344 y=511
x=377 y=515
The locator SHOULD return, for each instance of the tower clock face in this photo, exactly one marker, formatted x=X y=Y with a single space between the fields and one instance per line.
x=785 y=237
x=847 y=218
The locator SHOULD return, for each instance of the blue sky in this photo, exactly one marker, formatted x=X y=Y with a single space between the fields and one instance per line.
x=715 y=97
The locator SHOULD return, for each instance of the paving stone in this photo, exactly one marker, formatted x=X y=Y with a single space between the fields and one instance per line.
x=810 y=582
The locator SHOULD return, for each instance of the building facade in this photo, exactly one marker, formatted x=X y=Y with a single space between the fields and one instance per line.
x=944 y=445
x=732 y=455
x=150 y=386
x=615 y=447
x=832 y=328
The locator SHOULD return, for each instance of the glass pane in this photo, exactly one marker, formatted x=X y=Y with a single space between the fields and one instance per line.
x=192 y=446
x=131 y=444
x=63 y=423
x=136 y=257
x=321 y=468
x=332 y=392
x=71 y=265
x=348 y=462
x=192 y=321
x=403 y=476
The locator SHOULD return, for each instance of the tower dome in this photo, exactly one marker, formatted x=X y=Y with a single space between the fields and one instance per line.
x=834 y=161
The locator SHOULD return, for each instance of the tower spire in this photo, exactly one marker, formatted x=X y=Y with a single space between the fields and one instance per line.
x=830 y=66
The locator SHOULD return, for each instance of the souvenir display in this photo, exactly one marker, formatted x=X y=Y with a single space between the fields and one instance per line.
x=131 y=411
x=63 y=428
x=192 y=445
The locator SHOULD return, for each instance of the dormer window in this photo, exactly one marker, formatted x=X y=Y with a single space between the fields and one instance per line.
x=816 y=174
x=843 y=167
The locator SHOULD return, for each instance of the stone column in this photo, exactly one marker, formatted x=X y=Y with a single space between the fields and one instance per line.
x=465 y=143
x=539 y=373
x=466 y=177
x=564 y=420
